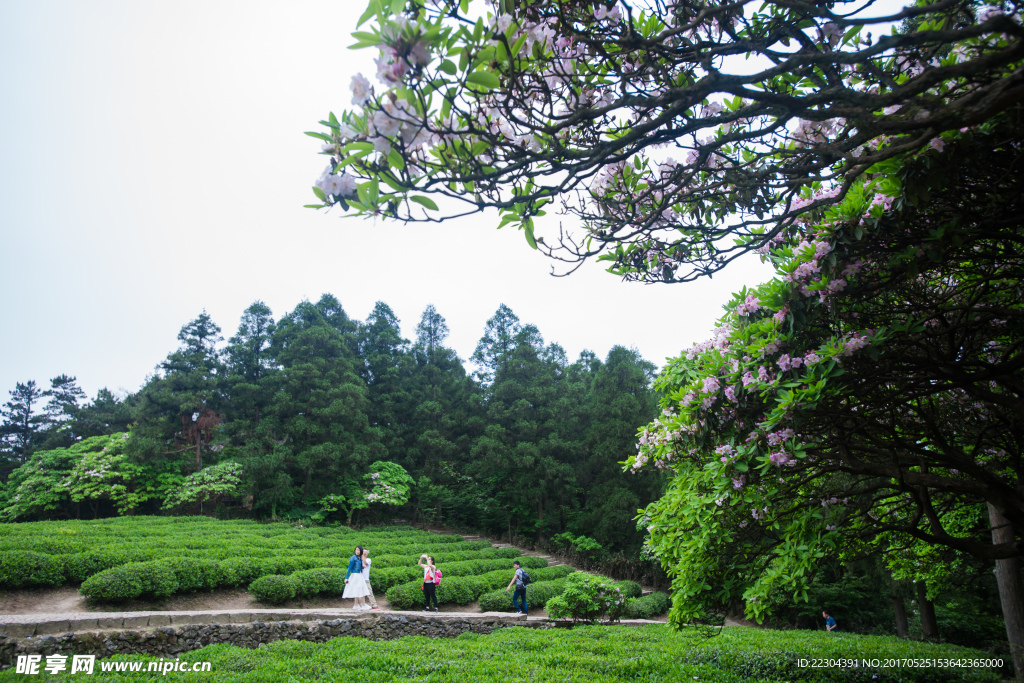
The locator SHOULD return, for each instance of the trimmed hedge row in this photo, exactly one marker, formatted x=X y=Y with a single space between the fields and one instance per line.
x=537 y=596
x=649 y=606
x=169 y=536
x=465 y=589
x=20 y=569
x=461 y=590
x=24 y=569
x=383 y=580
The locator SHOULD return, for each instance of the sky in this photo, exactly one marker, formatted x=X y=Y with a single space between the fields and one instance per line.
x=153 y=165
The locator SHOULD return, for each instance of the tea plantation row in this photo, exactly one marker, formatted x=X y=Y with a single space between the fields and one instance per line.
x=153 y=557
x=593 y=654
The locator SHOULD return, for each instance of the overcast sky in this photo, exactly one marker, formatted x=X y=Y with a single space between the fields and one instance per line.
x=153 y=164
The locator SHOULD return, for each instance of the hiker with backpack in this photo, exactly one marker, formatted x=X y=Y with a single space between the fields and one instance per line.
x=431 y=579
x=521 y=580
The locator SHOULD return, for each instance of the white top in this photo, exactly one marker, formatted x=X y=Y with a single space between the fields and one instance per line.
x=366 y=569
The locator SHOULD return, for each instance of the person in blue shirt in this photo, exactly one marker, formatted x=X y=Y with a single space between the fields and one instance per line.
x=520 y=592
x=830 y=622
x=355 y=585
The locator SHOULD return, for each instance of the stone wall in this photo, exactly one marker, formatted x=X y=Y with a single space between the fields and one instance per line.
x=171 y=640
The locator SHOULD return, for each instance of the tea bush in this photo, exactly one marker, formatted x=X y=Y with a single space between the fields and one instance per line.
x=273 y=589
x=649 y=606
x=131 y=581
x=313 y=582
x=25 y=568
x=537 y=596
x=460 y=590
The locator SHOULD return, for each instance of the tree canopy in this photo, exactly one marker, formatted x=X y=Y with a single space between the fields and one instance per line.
x=676 y=135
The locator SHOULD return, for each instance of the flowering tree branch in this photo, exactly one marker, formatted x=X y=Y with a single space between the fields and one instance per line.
x=677 y=135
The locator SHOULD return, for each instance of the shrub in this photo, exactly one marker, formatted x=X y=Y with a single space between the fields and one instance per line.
x=630 y=589
x=502 y=577
x=383 y=579
x=241 y=571
x=273 y=588
x=80 y=566
x=538 y=596
x=194 y=574
x=322 y=581
x=460 y=590
x=653 y=605
x=587 y=598
x=22 y=568
x=130 y=581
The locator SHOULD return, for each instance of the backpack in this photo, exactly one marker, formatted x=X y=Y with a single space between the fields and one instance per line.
x=437 y=577
x=526 y=579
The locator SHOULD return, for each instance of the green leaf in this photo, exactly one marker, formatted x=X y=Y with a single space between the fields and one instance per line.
x=483 y=78
x=424 y=201
x=448 y=67
x=321 y=136
x=395 y=159
x=528 y=229
x=397 y=6
x=371 y=9
x=319 y=193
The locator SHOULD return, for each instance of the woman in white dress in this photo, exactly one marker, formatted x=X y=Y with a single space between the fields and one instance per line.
x=355 y=584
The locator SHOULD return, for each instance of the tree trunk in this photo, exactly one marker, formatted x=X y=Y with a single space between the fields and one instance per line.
x=1011 y=591
x=929 y=626
x=900 y=608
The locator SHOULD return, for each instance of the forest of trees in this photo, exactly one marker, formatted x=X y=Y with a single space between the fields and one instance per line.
x=528 y=445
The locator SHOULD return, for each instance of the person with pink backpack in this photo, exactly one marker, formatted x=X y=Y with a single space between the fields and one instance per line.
x=431 y=580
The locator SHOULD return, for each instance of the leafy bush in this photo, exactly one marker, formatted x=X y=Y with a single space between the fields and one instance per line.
x=153 y=579
x=323 y=581
x=194 y=574
x=587 y=598
x=21 y=569
x=630 y=589
x=538 y=595
x=383 y=579
x=965 y=624
x=502 y=577
x=80 y=566
x=241 y=571
x=648 y=606
x=273 y=589
x=460 y=590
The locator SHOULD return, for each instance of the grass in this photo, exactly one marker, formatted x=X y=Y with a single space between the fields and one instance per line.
x=595 y=654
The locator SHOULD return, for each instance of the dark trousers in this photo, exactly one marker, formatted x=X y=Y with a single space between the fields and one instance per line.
x=517 y=594
x=430 y=593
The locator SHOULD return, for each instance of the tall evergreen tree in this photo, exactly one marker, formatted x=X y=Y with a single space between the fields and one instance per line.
x=495 y=347
x=318 y=421
x=21 y=424
x=105 y=414
x=63 y=410
x=182 y=405
x=445 y=419
x=386 y=366
x=621 y=400
x=250 y=366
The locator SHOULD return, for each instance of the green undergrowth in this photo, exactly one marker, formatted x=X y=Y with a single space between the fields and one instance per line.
x=588 y=654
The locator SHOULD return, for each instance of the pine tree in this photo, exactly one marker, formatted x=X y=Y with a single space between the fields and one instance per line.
x=21 y=425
